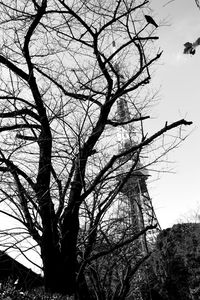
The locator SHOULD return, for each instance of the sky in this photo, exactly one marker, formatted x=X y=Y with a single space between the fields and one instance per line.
x=175 y=195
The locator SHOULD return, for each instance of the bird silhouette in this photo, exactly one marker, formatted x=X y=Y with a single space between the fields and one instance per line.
x=190 y=48
x=150 y=20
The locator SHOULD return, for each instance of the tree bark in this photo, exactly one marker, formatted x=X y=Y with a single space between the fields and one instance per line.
x=70 y=229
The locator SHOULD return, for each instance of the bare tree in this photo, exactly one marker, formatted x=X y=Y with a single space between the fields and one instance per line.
x=61 y=77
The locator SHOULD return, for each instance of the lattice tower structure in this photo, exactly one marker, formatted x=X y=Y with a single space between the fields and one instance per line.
x=134 y=192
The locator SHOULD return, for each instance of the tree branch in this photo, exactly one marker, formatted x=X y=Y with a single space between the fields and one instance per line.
x=78 y=96
x=19 y=126
x=133 y=149
x=14 y=68
x=34 y=24
x=122 y=244
x=115 y=124
x=20 y=112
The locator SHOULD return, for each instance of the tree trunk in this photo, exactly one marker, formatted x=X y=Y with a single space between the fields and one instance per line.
x=59 y=259
x=60 y=277
x=51 y=268
x=70 y=229
x=59 y=272
x=59 y=254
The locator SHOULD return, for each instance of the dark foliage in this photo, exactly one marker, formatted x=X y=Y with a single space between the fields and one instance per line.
x=173 y=270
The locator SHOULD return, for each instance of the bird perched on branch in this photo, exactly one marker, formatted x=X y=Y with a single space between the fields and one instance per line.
x=190 y=48
x=150 y=20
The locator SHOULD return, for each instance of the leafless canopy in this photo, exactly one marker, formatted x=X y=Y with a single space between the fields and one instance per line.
x=64 y=65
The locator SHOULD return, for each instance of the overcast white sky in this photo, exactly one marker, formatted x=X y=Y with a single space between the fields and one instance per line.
x=176 y=195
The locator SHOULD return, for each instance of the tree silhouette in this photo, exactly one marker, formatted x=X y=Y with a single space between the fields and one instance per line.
x=59 y=88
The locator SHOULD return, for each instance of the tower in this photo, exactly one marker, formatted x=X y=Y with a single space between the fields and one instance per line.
x=134 y=191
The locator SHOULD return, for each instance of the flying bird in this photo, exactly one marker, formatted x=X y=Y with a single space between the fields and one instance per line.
x=150 y=20
x=190 y=48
